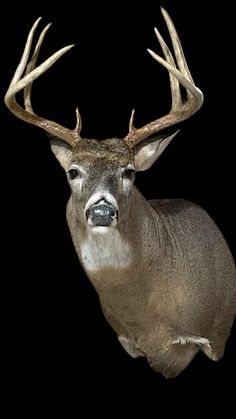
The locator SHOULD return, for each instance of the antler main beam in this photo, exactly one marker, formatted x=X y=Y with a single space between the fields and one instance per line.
x=30 y=73
x=180 y=109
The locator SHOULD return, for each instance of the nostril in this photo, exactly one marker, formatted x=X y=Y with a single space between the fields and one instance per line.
x=87 y=213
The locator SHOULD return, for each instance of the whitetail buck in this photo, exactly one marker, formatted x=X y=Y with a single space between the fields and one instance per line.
x=162 y=269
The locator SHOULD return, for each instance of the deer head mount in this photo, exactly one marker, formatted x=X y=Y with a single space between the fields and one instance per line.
x=152 y=263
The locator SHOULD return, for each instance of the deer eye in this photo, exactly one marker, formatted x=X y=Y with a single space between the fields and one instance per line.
x=73 y=174
x=129 y=174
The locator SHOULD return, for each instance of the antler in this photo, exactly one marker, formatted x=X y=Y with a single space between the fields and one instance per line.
x=180 y=109
x=31 y=73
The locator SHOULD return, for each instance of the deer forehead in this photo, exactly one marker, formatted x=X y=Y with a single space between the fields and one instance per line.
x=106 y=153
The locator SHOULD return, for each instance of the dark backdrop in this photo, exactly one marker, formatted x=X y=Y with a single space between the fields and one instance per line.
x=58 y=346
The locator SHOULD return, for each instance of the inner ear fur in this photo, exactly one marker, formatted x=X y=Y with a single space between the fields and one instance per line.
x=149 y=151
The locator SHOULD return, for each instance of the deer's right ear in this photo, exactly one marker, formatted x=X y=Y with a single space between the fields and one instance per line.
x=62 y=151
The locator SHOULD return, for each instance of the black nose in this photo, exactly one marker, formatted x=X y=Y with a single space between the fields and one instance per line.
x=102 y=213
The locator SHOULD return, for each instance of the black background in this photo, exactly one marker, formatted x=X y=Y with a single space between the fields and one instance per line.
x=59 y=349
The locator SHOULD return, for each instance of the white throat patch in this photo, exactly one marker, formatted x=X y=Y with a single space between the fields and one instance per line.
x=105 y=248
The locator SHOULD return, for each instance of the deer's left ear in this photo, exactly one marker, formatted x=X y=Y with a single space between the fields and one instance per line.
x=149 y=153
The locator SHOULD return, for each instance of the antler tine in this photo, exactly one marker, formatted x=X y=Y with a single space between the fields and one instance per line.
x=25 y=56
x=179 y=53
x=174 y=83
x=31 y=73
x=180 y=110
x=30 y=66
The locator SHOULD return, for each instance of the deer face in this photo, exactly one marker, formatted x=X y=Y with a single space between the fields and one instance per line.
x=101 y=175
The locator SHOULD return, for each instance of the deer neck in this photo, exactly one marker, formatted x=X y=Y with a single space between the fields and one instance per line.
x=118 y=263
x=119 y=252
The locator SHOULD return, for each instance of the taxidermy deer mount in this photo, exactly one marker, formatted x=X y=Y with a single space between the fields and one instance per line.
x=162 y=269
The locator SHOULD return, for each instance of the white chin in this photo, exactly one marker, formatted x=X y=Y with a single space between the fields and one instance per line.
x=100 y=229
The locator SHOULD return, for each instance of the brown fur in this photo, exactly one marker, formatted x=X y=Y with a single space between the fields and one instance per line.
x=181 y=282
